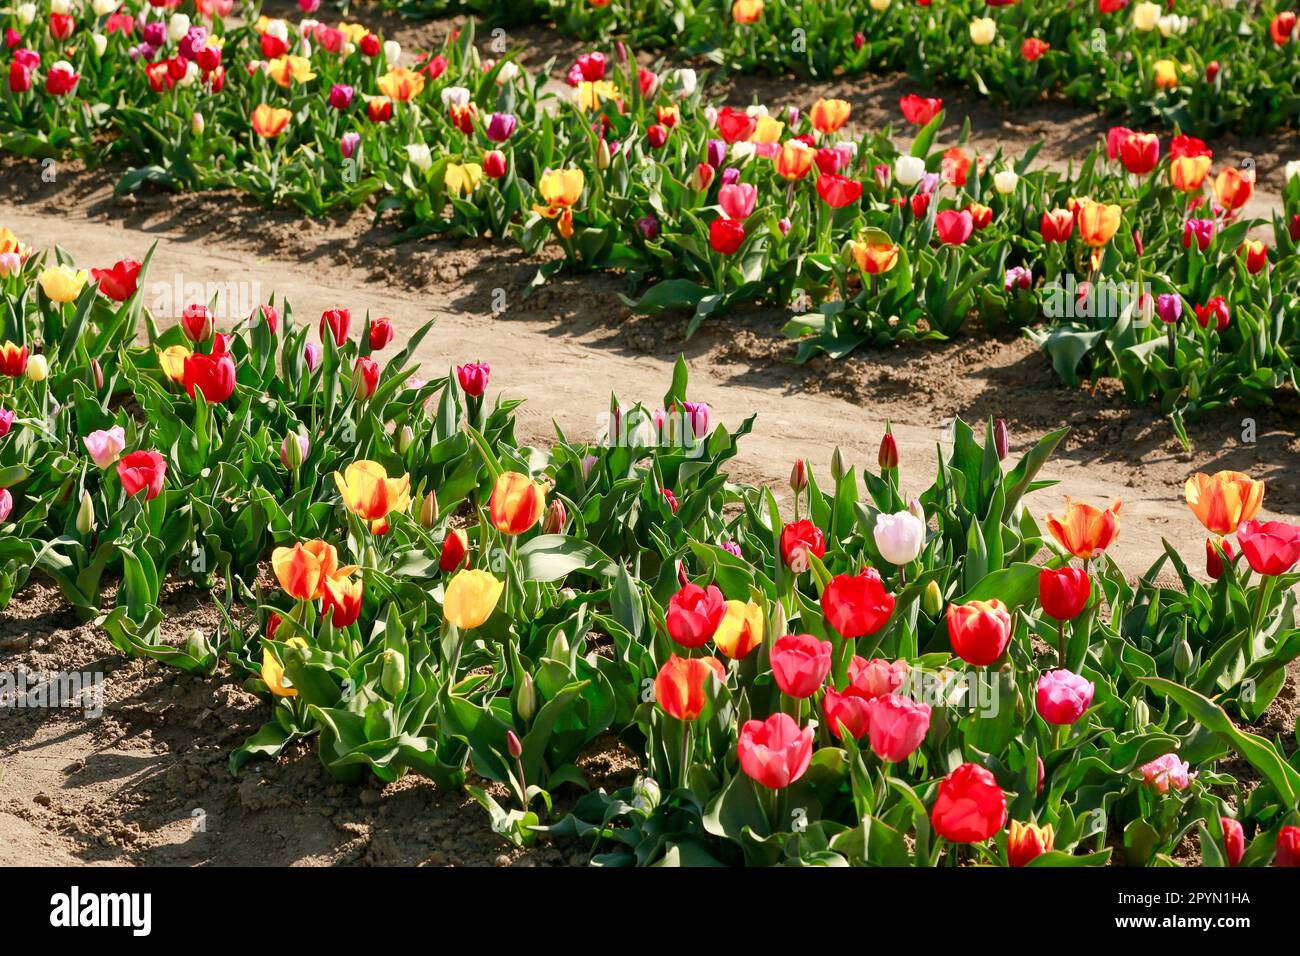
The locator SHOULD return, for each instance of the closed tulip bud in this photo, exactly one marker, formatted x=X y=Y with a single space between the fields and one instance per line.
x=96 y=374
x=404 y=439
x=908 y=170
x=38 y=368
x=393 y=676
x=494 y=164
x=526 y=698
x=1183 y=657
x=559 y=649
x=1001 y=439
x=293 y=450
x=1234 y=840
x=513 y=745
x=196 y=645
x=197 y=124
x=428 y=516
x=837 y=464
x=932 y=599
x=646 y=793
x=888 y=457
x=799 y=476
x=86 y=515
x=555 y=518
x=1139 y=716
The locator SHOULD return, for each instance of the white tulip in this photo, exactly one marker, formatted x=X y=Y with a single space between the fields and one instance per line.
x=103 y=8
x=686 y=82
x=177 y=27
x=1005 y=181
x=419 y=155
x=392 y=52
x=983 y=31
x=100 y=43
x=908 y=170
x=1146 y=15
x=1293 y=170
x=899 y=537
x=26 y=13
x=455 y=96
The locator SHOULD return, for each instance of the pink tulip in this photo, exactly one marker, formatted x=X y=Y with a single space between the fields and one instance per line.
x=800 y=663
x=1167 y=773
x=105 y=446
x=737 y=200
x=897 y=725
x=6 y=504
x=1063 y=696
x=775 y=752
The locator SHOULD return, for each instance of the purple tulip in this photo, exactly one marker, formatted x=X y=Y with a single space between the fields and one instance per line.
x=1169 y=307
x=154 y=34
x=341 y=96
x=648 y=227
x=697 y=413
x=730 y=175
x=312 y=354
x=501 y=127
x=193 y=41
x=715 y=152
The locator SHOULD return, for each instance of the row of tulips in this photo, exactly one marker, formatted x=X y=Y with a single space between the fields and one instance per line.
x=1139 y=265
x=880 y=673
x=1202 y=67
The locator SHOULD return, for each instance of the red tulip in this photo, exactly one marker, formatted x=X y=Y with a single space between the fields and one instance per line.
x=337 y=321
x=1216 y=311
x=381 y=333
x=1064 y=592
x=119 y=282
x=494 y=164
x=1033 y=48
x=61 y=26
x=1234 y=840
x=919 y=202
x=61 y=80
x=876 y=677
x=365 y=377
x=970 y=806
x=847 y=711
x=142 y=470
x=680 y=685
x=838 y=191
x=857 y=605
x=1271 y=547
x=1139 y=152
x=1216 y=550
x=197 y=323
x=887 y=457
x=979 y=631
x=341 y=599
x=656 y=135
x=1026 y=842
x=455 y=549
x=20 y=78
x=1057 y=225
x=726 y=235
x=213 y=375
x=800 y=663
x=953 y=227
x=775 y=752
x=799 y=540
x=897 y=725
x=268 y=314
x=919 y=110
x=1282 y=27
x=1288 y=847
x=694 y=614
x=735 y=125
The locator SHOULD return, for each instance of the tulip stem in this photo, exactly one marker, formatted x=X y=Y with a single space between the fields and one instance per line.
x=686 y=755
x=1060 y=653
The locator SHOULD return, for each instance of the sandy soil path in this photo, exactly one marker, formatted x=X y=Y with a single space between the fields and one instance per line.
x=567 y=376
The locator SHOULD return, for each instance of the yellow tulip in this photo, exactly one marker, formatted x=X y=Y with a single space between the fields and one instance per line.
x=591 y=95
x=401 y=84
x=287 y=70
x=172 y=361
x=1166 y=74
x=38 y=368
x=9 y=243
x=273 y=670
x=983 y=31
x=62 y=283
x=462 y=178
x=562 y=187
x=470 y=598
x=767 y=130
x=370 y=494
x=741 y=629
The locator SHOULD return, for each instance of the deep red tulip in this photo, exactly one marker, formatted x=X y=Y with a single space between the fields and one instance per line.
x=887 y=457
x=799 y=540
x=857 y=605
x=455 y=549
x=473 y=377
x=270 y=315
x=694 y=613
x=119 y=282
x=1234 y=840
x=838 y=191
x=381 y=333
x=1064 y=592
x=726 y=235
x=1214 y=558
x=970 y=806
x=337 y=321
x=1288 y=847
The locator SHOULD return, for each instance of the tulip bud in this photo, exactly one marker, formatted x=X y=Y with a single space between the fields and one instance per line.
x=197 y=124
x=513 y=745
x=888 y=452
x=646 y=793
x=916 y=511
x=38 y=368
x=393 y=676
x=293 y=450
x=96 y=374
x=799 y=476
x=932 y=600
x=1005 y=181
x=1183 y=657
x=603 y=156
x=86 y=515
x=1001 y=439
x=1139 y=716
x=555 y=518
x=559 y=650
x=196 y=644
x=428 y=511
x=404 y=439
x=837 y=464
x=526 y=698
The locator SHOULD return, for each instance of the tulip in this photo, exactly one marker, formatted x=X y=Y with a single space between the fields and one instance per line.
x=119 y=283
x=741 y=629
x=1255 y=254
x=799 y=540
x=1064 y=592
x=970 y=806
x=774 y=752
x=798 y=482
x=473 y=377
x=909 y=170
x=105 y=446
x=470 y=597
x=501 y=126
x=1057 y=225
x=13 y=359
x=1167 y=773
x=1216 y=550
x=983 y=30
x=312 y=355
x=896 y=726
x=213 y=375
x=341 y=599
x=887 y=457
x=348 y=143
x=920 y=110
x=956 y=163
x=6 y=504
x=371 y=495
x=1165 y=74
x=1282 y=27
x=1224 y=500
x=838 y=191
x=1200 y=230
x=61 y=79
x=1288 y=847
x=1215 y=311
x=294 y=448
x=1187 y=173
x=1033 y=48
x=302 y=569
x=7 y=422
x=737 y=200
x=142 y=471
x=1085 y=531
x=341 y=96
x=365 y=377
x=953 y=227
x=1027 y=841
x=1063 y=696
x=857 y=605
x=555 y=518
x=899 y=537
x=800 y=664
x=874 y=258
x=1001 y=434
x=827 y=116
x=1234 y=187
x=269 y=121
x=726 y=235
x=1098 y=222
x=62 y=283
x=979 y=631
x=517 y=503
x=794 y=159
x=455 y=551
x=1139 y=152
x=681 y=682
x=1005 y=181
x=272 y=672
x=337 y=322
x=1271 y=548
x=694 y=614
x=1234 y=840
x=671 y=499
x=1169 y=307
x=38 y=368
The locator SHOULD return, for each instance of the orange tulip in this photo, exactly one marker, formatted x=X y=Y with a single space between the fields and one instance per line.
x=369 y=493
x=517 y=503
x=1085 y=531
x=829 y=115
x=1187 y=173
x=746 y=11
x=1098 y=222
x=874 y=258
x=270 y=121
x=401 y=84
x=1027 y=841
x=273 y=670
x=741 y=629
x=301 y=569
x=679 y=688
x=1234 y=187
x=794 y=159
x=1223 y=500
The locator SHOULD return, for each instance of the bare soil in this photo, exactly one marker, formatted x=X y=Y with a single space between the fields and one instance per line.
x=125 y=787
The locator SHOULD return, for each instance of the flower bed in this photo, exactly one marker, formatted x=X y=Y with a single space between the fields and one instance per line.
x=870 y=676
